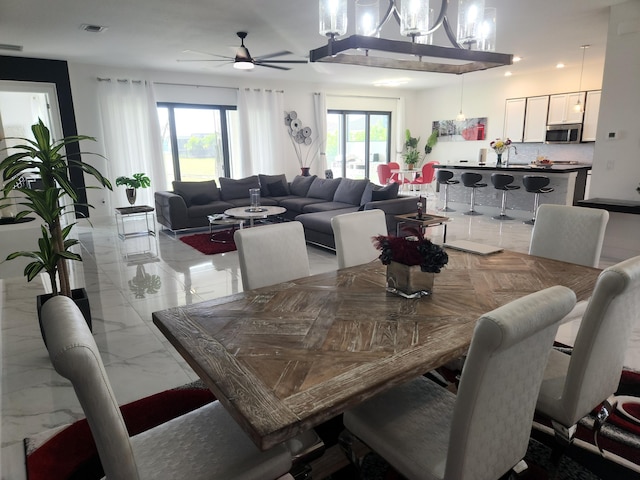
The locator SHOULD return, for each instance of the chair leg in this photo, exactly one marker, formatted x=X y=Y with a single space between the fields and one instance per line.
x=446 y=208
x=503 y=209
x=472 y=210
x=536 y=202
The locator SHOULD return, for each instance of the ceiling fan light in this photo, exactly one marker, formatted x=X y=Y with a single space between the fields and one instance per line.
x=243 y=64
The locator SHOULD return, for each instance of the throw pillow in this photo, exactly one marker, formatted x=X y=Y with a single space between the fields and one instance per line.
x=350 y=191
x=388 y=192
x=300 y=185
x=324 y=188
x=366 y=195
x=238 y=188
x=268 y=180
x=277 y=189
x=197 y=193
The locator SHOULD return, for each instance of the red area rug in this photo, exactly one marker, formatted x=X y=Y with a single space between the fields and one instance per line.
x=202 y=242
x=71 y=453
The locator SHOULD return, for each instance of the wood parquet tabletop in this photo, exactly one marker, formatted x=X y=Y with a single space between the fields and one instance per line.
x=285 y=358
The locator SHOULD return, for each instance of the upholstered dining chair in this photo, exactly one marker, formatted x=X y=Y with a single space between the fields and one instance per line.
x=384 y=173
x=203 y=444
x=568 y=233
x=271 y=254
x=575 y=384
x=353 y=234
x=427 y=174
x=395 y=177
x=426 y=432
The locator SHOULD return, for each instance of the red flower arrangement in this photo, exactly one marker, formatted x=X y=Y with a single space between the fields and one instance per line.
x=412 y=250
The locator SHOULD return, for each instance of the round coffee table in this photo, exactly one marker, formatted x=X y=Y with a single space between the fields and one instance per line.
x=245 y=213
x=223 y=236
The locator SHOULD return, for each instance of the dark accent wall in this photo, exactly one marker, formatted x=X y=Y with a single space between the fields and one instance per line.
x=22 y=69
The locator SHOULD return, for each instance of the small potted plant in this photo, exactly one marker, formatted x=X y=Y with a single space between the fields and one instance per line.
x=138 y=180
x=48 y=159
x=411 y=154
x=412 y=262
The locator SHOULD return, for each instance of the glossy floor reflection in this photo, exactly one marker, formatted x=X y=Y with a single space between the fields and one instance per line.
x=127 y=281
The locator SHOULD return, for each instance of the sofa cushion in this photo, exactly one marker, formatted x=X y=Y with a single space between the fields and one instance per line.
x=350 y=191
x=325 y=207
x=324 y=188
x=366 y=195
x=321 y=221
x=232 y=188
x=269 y=182
x=300 y=185
x=197 y=211
x=387 y=192
x=297 y=204
x=197 y=193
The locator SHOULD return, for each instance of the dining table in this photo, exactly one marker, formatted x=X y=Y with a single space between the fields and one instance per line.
x=287 y=357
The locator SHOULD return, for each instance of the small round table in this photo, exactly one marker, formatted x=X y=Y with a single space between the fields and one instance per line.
x=245 y=213
x=223 y=236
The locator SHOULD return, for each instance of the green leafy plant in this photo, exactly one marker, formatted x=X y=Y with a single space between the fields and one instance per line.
x=431 y=142
x=138 y=180
x=411 y=154
x=47 y=159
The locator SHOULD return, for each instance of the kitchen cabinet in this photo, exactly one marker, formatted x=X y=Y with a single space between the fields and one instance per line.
x=591 y=110
x=514 y=118
x=561 y=108
x=535 y=121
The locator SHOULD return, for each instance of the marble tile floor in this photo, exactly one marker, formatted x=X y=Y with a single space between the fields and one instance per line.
x=138 y=359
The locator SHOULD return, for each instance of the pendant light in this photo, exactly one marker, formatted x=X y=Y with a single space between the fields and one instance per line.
x=461 y=116
x=579 y=107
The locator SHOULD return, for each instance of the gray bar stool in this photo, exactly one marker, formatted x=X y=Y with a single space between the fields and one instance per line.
x=443 y=177
x=503 y=181
x=536 y=184
x=471 y=180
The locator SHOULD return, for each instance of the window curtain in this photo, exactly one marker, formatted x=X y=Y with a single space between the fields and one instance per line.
x=320 y=115
x=262 y=129
x=131 y=133
x=400 y=131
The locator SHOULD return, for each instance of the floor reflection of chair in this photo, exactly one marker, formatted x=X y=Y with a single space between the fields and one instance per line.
x=202 y=444
x=426 y=432
x=353 y=233
x=272 y=254
x=576 y=384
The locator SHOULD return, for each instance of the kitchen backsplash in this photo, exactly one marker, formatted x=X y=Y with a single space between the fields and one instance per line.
x=528 y=152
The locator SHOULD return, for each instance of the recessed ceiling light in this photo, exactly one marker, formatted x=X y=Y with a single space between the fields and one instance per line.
x=391 y=83
x=508 y=74
x=516 y=59
x=560 y=65
x=93 y=28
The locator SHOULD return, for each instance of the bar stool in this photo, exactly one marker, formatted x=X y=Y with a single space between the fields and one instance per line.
x=443 y=177
x=503 y=181
x=536 y=184
x=471 y=180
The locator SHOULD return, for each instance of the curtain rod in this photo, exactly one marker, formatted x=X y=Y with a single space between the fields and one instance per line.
x=120 y=80
x=265 y=89
x=191 y=85
x=363 y=96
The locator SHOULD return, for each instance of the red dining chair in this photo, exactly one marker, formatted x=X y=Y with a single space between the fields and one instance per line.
x=427 y=175
x=395 y=177
x=384 y=173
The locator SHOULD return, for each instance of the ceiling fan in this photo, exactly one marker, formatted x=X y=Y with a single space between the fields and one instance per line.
x=244 y=61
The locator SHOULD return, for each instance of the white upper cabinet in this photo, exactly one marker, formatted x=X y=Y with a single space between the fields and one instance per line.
x=535 y=122
x=591 y=110
x=561 y=108
x=514 y=118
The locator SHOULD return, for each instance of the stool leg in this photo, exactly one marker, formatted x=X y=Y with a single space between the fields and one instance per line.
x=503 y=210
x=473 y=203
x=446 y=208
x=536 y=202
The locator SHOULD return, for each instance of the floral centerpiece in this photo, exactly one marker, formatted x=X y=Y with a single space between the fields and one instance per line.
x=301 y=138
x=412 y=262
x=500 y=145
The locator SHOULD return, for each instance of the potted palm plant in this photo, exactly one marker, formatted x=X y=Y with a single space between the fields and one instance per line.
x=138 y=180
x=48 y=159
x=411 y=154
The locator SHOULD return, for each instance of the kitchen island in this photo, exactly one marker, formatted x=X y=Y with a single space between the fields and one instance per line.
x=568 y=181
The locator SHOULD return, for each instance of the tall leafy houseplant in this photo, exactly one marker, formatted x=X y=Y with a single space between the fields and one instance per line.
x=49 y=160
x=411 y=154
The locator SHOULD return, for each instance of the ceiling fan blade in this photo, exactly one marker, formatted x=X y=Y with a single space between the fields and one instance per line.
x=271 y=66
x=207 y=54
x=207 y=60
x=273 y=55
x=286 y=61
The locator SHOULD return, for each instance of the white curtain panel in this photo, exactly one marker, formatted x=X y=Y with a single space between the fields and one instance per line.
x=400 y=130
x=261 y=116
x=320 y=114
x=131 y=133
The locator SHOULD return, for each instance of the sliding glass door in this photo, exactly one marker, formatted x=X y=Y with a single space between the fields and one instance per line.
x=357 y=142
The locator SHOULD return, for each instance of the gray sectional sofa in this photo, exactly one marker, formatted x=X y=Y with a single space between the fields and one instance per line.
x=311 y=200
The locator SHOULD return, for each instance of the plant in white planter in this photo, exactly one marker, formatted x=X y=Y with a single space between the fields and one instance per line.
x=47 y=158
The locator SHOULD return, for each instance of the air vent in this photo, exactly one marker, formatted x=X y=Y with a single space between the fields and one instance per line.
x=12 y=48
x=93 y=28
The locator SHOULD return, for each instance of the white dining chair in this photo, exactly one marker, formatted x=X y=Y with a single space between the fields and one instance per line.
x=426 y=432
x=271 y=254
x=568 y=233
x=354 y=232
x=575 y=384
x=203 y=444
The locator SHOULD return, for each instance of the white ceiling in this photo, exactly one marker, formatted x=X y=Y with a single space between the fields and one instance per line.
x=154 y=34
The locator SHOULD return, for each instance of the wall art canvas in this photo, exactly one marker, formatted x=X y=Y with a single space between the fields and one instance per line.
x=471 y=129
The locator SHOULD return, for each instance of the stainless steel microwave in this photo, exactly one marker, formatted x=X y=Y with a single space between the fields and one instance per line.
x=564 y=133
